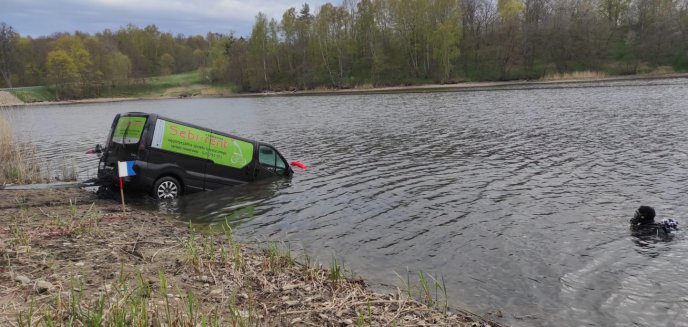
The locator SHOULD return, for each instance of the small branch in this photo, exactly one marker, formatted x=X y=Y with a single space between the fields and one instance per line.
x=168 y=248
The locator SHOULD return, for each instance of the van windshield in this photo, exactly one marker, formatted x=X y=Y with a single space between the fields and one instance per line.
x=125 y=138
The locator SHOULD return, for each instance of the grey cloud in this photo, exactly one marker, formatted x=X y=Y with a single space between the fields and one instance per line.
x=44 y=17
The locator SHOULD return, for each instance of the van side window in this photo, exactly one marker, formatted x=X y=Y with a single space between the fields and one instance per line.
x=269 y=159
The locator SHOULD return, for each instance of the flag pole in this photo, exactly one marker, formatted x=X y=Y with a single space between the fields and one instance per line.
x=121 y=192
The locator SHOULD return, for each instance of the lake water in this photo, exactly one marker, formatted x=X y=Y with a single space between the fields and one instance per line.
x=520 y=198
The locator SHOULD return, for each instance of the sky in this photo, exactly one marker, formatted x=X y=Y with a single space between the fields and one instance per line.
x=37 y=18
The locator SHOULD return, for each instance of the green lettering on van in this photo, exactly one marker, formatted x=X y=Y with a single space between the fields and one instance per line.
x=128 y=130
x=182 y=139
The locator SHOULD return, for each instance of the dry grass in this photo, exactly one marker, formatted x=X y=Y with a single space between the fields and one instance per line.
x=663 y=70
x=19 y=163
x=583 y=75
x=14 y=165
x=78 y=263
x=366 y=86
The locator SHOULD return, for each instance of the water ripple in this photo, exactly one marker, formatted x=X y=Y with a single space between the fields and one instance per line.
x=519 y=197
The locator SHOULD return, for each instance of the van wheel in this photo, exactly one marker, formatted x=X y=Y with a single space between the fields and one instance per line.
x=167 y=188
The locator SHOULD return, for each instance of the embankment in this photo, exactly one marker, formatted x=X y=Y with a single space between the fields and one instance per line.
x=7 y=99
x=211 y=91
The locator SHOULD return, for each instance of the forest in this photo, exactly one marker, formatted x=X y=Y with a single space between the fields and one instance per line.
x=367 y=43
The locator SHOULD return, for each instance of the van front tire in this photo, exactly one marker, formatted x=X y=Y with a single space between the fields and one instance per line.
x=166 y=188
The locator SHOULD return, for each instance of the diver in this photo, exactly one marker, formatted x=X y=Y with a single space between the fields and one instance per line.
x=643 y=224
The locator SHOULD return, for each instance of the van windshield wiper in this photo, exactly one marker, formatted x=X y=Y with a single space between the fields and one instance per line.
x=126 y=129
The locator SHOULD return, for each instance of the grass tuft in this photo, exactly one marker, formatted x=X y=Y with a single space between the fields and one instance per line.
x=14 y=164
x=19 y=163
x=428 y=292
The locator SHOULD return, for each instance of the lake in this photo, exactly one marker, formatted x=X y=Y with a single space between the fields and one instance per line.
x=519 y=198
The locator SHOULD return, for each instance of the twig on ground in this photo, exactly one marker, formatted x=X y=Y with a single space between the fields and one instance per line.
x=167 y=248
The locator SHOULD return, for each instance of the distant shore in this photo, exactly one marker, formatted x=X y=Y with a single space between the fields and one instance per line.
x=8 y=100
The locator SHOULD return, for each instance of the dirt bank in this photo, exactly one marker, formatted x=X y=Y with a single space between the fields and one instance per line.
x=7 y=99
x=68 y=256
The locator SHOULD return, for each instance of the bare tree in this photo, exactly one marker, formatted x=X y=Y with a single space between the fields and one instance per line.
x=8 y=39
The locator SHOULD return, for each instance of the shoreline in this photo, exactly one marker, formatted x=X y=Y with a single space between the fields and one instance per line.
x=457 y=87
x=68 y=255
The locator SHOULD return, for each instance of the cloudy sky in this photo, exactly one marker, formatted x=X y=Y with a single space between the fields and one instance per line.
x=188 y=17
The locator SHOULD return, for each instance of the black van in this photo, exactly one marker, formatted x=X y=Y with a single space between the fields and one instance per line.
x=172 y=158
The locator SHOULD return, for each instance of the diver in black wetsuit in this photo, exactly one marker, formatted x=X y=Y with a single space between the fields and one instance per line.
x=643 y=224
x=643 y=217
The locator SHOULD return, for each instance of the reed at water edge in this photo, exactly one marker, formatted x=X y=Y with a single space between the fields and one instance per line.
x=15 y=168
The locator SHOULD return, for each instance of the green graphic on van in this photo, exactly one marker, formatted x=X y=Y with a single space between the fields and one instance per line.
x=128 y=130
x=191 y=141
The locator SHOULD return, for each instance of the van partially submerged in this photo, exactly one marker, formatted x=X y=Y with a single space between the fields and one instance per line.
x=172 y=158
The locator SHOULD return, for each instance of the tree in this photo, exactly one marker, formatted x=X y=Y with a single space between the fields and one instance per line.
x=258 y=47
x=412 y=28
x=371 y=55
x=118 y=68
x=445 y=36
x=325 y=32
x=508 y=35
x=614 y=10
x=63 y=73
x=80 y=57
x=479 y=17
x=305 y=59
x=8 y=40
x=31 y=55
x=167 y=64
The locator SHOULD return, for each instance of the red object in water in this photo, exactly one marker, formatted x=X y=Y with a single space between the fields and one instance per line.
x=298 y=164
x=90 y=151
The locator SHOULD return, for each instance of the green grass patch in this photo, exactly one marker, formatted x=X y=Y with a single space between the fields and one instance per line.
x=35 y=94
x=183 y=79
x=178 y=85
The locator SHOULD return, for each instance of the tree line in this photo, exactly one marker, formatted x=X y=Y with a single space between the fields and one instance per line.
x=399 y=42
x=374 y=42
x=81 y=65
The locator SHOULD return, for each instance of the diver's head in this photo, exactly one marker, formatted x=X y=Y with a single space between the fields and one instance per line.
x=644 y=215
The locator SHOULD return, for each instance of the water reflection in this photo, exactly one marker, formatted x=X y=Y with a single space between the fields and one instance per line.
x=232 y=205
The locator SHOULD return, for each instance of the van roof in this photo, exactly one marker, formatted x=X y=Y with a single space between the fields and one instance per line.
x=157 y=116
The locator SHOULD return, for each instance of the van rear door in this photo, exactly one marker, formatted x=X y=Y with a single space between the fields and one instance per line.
x=123 y=144
x=126 y=136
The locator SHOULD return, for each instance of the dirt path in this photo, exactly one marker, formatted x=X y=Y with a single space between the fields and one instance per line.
x=68 y=256
x=7 y=99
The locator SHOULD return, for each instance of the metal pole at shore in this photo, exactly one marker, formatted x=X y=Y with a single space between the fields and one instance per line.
x=121 y=192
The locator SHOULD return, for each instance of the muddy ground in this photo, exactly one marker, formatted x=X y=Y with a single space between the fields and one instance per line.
x=69 y=257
